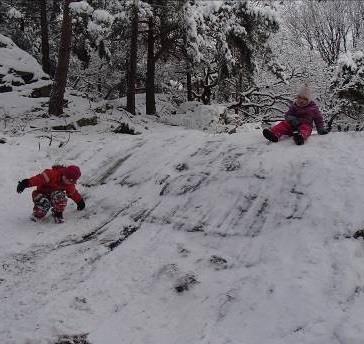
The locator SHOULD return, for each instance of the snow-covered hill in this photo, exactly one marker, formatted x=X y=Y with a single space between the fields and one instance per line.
x=187 y=237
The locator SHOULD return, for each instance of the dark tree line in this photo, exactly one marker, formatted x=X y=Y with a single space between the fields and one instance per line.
x=213 y=52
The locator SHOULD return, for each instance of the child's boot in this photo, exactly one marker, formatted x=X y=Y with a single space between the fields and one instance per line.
x=57 y=216
x=298 y=138
x=40 y=209
x=269 y=135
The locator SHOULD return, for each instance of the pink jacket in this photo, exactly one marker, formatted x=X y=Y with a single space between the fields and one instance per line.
x=307 y=114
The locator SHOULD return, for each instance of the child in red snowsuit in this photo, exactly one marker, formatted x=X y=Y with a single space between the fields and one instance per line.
x=298 y=120
x=54 y=185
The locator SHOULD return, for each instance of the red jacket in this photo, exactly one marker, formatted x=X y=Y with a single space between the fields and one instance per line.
x=51 y=180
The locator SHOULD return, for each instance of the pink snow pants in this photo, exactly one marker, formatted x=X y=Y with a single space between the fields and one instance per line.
x=284 y=128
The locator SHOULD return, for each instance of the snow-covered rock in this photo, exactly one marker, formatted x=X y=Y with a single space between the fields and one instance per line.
x=18 y=68
x=195 y=115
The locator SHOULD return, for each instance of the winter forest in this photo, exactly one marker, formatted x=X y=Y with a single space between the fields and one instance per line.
x=145 y=196
x=247 y=55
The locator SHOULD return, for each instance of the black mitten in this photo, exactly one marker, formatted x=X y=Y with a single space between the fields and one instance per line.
x=22 y=185
x=81 y=205
x=293 y=121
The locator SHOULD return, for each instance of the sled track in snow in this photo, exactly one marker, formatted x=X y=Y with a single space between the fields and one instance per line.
x=23 y=271
x=98 y=230
x=113 y=166
x=138 y=219
x=245 y=209
x=74 y=339
x=24 y=263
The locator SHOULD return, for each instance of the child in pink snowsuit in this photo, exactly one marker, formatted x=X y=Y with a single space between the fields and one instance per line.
x=298 y=119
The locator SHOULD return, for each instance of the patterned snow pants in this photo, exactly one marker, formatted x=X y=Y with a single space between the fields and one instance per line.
x=57 y=200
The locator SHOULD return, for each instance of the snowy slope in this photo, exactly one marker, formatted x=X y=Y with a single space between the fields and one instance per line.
x=187 y=237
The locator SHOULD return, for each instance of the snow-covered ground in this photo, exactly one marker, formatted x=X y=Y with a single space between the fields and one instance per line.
x=187 y=237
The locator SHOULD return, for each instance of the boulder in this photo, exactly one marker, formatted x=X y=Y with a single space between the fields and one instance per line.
x=41 y=92
x=67 y=127
x=28 y=77
x=83 y=122
x=5 y=88
x=18 y=68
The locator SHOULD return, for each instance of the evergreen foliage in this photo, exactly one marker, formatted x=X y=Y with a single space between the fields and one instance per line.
x=348 y=86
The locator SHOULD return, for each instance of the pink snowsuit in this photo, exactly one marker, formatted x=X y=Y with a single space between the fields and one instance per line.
x=299 y=119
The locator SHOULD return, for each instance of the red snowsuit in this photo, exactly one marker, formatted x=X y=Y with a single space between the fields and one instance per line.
x=52 y=191
x=50 y=180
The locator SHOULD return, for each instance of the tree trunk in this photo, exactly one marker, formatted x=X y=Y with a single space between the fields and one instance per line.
x=45 y=39
x=239 y=89
x=122 y=87
x=22 y=25
x=59 y=86
x=132 y=67
x=189 y=84
x=150 y=82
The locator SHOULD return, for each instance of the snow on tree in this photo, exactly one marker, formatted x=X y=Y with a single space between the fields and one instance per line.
x=241 y=28
x=348 y=86
x=13 y=13
x=195 y=27
x=92 y=28
x=81 y=8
